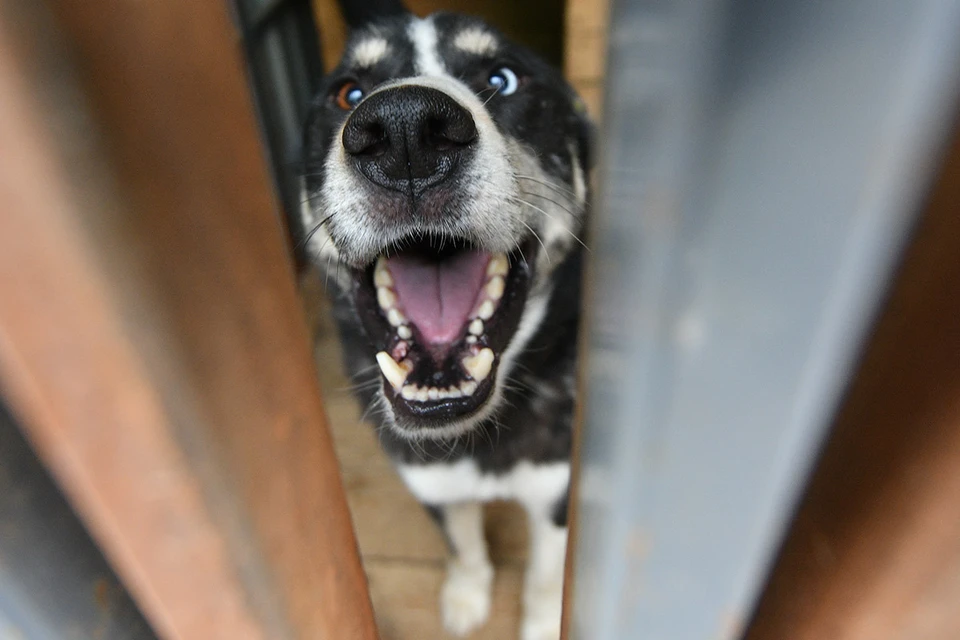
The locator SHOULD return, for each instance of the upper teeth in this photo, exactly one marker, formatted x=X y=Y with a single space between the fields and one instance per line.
x=498 y=266
x=387 y=299
x=381 y=275
x=493 y=289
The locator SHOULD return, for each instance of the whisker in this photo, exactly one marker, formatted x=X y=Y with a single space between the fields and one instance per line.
x=538 y=240
x=364 y=370
x=366 y=384
x=572 y=234
x=551 y=200
x=313 y=231
x=549 y=184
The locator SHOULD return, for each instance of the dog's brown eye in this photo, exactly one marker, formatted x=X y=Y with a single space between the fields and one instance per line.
x=349 y=95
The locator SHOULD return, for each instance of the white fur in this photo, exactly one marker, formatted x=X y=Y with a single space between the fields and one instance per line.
x=466 y=593
x=476 y=41
x=423 y=34
x=369 y=52
x=534 y=486
x=461 y=487
x=543 y=583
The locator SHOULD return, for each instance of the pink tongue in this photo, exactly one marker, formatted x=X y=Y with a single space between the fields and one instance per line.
x=438 y=296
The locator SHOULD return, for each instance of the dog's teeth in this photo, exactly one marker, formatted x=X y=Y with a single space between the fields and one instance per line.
x=393 y=372
x=422 y=395
x=381 y=275
x=404 y=332
x=486 y=310
x=433 y=393
x=498 y=266
x=468 y=387
x=454 y=392
x=443 y=394
x=386 y=298
x=409 y=392
x=495 y=288
x=478 y=366
x=476 y=327
x=396 y=318
x=471 y=339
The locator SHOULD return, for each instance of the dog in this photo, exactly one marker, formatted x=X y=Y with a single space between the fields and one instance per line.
x=445 y=184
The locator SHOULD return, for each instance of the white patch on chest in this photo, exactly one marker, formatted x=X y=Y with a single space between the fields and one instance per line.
x=460 y=481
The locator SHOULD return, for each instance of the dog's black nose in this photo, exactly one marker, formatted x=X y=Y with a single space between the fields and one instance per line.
x=409 y=138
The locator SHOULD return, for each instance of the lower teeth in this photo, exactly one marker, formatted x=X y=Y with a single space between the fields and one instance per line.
x=477 y=366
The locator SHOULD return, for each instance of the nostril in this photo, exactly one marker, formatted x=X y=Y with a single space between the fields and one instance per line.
x=366 y=139
x=448 y=134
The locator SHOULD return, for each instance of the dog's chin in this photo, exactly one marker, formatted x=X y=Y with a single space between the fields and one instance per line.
x=440 y=313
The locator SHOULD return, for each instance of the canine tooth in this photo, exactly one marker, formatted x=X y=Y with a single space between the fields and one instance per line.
x=409 y=392
x=476 y=327
x=433 y=393
x=404 y=332
x=498 y=266
x=381 y=275
x=393 y=372
x=478 y=366
x=421 y=394
x=468 y=387
x=386 y=298
x=396 y=318
x=486 y=310
x=495 y=288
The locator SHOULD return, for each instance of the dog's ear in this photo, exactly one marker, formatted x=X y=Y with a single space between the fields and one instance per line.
x=358 y=13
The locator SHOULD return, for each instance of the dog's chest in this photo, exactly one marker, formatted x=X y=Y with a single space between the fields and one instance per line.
x=463 y=480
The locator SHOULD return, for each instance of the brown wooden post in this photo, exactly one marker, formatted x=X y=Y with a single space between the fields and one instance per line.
x=152 y=343
x=874 y=553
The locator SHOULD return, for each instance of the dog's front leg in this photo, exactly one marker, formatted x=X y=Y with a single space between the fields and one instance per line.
x=543 y=582
x=465 y=598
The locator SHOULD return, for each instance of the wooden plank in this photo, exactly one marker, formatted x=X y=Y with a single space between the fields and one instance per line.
x=874 y=553
x=151 y=339
x=585 y=50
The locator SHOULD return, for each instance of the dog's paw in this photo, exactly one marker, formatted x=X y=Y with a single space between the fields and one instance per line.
x=542 y=608
x=465 y=598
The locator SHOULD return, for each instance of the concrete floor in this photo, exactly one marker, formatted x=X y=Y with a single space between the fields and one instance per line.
x=402 y=549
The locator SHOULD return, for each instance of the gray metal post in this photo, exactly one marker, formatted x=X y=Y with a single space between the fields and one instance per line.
x=762 y=164
x=54 y=584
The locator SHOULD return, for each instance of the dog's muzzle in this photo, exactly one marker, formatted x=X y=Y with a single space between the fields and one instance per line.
x=409 y=138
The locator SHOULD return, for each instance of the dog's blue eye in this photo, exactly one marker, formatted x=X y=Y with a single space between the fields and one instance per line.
x=504 y=80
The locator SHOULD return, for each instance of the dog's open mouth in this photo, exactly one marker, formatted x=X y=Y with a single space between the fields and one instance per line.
x=440 y=312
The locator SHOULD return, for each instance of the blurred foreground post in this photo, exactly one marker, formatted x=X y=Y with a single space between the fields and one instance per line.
x=151 y=339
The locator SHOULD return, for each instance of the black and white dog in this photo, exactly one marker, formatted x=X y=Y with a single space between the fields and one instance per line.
x=446 y=189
